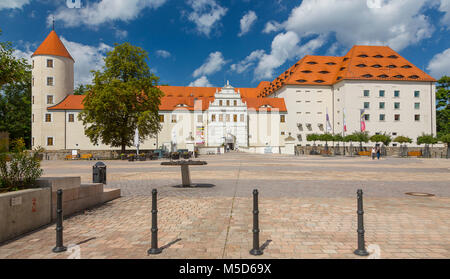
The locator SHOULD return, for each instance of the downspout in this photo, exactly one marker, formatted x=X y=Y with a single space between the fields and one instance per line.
x=432 y=115
x=65 y=129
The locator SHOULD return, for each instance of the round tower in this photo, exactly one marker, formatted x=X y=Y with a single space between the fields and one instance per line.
x=52 y=80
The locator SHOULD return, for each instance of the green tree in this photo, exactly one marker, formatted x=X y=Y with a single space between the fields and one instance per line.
x=443 y=106
x=123 y=97
x=426 y=139
x=402 y=139
x=338 y=138
x=446 y=139
x=325 y=137
x=361 y=137
x=312 y=137
x=384 y=138
x=80 y=90
x=11 y=68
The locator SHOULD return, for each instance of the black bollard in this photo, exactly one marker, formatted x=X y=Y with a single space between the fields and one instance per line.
x=361 y=251
x=256 y=251
x=154 y=249
x=59 y=225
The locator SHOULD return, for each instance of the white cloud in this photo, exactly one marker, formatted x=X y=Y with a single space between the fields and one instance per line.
x=163 y=53
x=445 y=8
x=103 y=11
x=121 y=34
x=13 y=4
x=397 y=23
x=248 y=62
x=206 y=14
x=272 y=26
x=246 y=22
x=285 y=47
x=86 y=58
x=440 y=64
x=25 y=54
x=213 y=64
x=201 y=82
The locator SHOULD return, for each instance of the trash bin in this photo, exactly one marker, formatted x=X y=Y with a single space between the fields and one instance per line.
x=99 y=173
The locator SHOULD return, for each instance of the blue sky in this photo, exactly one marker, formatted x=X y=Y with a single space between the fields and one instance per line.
x=206 y=42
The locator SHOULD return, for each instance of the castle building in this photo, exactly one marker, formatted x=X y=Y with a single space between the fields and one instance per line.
x=317 y=94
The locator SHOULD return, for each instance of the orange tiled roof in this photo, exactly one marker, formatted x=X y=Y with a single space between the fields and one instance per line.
x=52 y=45
x=179 y=97
x=360 y=63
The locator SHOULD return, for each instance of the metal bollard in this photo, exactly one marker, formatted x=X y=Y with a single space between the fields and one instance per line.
x=361 y=251
x=59 y=225
x=154 y=249
x=256 y=251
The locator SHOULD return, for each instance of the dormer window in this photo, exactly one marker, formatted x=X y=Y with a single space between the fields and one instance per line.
x=414 y=76
x=306 y=71
x=319 y=81
x=406 y=67
x=311 y=63
x=343 y=68
x=266 y=106
x=393 y=56
x=378 y=56
x=399 y=76
x=301 y=80
x=181 y=105
x=324 y=72
x=376 y=66
x=331 y=63
x=367 y=76
x=361 y=65
x=363 y=56
x=383 y=76
x=339 y=78
x=345 y=59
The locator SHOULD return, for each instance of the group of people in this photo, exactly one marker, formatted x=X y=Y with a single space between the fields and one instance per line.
x=376 y=151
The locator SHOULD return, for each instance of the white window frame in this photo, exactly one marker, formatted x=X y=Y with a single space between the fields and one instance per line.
x=53 y=141
x=46 y=80
x=51 y=117
x=68 y=117
x=46 y=99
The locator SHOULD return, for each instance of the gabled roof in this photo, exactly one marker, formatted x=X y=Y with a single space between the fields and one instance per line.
x=266 y=104
x=360 y=63
x=52 y=45
x=71 y=102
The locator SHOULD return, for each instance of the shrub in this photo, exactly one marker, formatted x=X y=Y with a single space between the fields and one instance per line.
x=20 y=169
x=426 y=139
x=402 y=139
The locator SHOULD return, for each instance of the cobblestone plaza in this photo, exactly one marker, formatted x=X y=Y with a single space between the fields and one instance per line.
x=307 y=209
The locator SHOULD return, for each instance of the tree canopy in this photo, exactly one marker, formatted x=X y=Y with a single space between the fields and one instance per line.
x=123 y=97
x=443 y=106
x=12 y=69
x=426 y=139
x=402 y=139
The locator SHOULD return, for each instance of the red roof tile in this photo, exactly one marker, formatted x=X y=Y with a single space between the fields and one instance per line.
x=52 y=45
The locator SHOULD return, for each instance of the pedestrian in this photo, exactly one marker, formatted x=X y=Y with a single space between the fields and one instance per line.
x=378 y=152
x=373 y=153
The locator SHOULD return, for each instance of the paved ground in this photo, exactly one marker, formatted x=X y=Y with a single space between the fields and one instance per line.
x=307 y=205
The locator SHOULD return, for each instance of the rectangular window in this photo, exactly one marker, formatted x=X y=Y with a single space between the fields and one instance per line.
x=416 y=94
x=366 y=105
x=32 y=100
x=71 y=117
x=48 y=117
x=228 y=103
x=242 y=118
x=381 y=93
x=235 y=103
x=161 y=118
x=417 y=117
x=32 y=67
x=174 y=119
x=220 y=117
x=382 y=117
x=199 y=118
x=235 y=117
x=367 y=117
x=366 y=93
x=417 y=105
x=32 y=118
x=396 y=94
x=213 y=118
x=49 y=99
x=396 y=105
x=49 y=63
x=32 y=139
x=282 y=118
x=227 y=118
x=50 y=141
x=32 y=81
x=282 y=133
x=220 y=103
x=381 y=105
x=49 y=81
x=397 y=117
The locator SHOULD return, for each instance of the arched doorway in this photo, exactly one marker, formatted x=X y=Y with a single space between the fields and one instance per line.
x=230 y=141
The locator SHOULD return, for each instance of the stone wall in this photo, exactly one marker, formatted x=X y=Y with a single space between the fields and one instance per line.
x=436 y=151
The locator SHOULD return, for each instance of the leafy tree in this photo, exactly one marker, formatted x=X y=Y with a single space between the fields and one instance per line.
x=123 y=97
x=312 y=137
x=15 y=109
x=325 y=137
x=384 y=138
x=338 y=138
x=402 y=139
x=12 y=69
x=80 y=90
x=443 y=106
x=350 y=138
x=426 y=139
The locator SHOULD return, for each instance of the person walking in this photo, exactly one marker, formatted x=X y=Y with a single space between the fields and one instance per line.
x=373 y=153
x=378 y=152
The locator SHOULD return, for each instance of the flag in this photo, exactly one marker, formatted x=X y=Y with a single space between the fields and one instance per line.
x=328 y=123
x=345 y=125
x=363 y=123
x=136 y=138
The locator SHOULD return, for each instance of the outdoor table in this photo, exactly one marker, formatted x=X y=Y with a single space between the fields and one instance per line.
x=185 y=175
